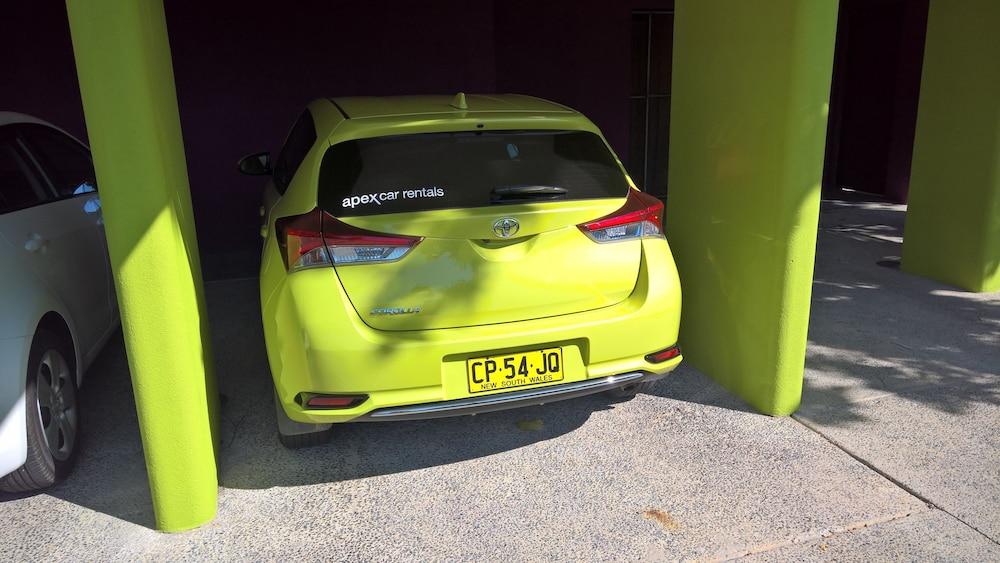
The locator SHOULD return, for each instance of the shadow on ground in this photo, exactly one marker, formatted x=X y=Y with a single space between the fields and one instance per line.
x=685 y=474
x=253 y=458
x=111 y=475
x=876 y=330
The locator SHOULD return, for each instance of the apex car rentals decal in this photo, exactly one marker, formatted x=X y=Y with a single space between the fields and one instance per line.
x=378 y=198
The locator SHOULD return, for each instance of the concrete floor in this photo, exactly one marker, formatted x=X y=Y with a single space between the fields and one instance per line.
x=894 y=454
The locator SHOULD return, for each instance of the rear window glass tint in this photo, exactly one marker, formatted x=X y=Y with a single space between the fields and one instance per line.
x=300 y=140
x=453 y=170
x=17 y=188
x=66 y=162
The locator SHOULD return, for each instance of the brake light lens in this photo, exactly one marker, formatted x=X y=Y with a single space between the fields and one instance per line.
x=300 y=238
x=351 y=245
x=640 y=217
x=316 y=239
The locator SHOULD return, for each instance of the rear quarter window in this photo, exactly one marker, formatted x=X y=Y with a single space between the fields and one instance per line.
x=300 y=140
x=430 y=171
x=18 y=187
x=65 y=162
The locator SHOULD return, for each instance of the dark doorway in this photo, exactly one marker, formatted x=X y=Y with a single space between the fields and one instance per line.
x=873 y=98
x=649 y=102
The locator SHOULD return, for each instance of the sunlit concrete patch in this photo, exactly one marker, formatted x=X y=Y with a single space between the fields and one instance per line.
x=993 y=298
x=877 y=331
x=836 y=377
x=878 y=232
x=45 y=528
x=906 y=377
x=687 y=472
x=930 y=535
x=948 y=450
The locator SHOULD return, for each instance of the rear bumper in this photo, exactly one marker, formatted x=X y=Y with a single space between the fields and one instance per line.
x=508 y=400
x=317 y=343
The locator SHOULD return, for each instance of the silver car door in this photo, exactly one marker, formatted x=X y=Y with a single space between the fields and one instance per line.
x=66 y=235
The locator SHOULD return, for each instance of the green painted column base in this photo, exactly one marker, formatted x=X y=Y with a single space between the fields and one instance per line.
x=747 y=135
x=129 y=101
x=953 y=220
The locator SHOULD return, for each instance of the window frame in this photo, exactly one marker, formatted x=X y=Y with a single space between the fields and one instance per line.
x=9 y=135
x=33 y=154
x=281 y=183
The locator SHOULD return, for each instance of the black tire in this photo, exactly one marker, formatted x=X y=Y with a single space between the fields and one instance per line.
x=45 y=466
x=297 y=434
x=629 y=392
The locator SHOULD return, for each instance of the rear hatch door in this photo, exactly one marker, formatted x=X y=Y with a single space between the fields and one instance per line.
x=497 y=215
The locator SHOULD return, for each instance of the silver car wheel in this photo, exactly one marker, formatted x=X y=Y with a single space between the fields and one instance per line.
x=57 y=407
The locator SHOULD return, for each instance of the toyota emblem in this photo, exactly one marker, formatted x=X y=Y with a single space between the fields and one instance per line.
x=506 y=227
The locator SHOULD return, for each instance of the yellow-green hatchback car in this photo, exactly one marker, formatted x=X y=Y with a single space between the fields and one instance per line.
x=430 y=256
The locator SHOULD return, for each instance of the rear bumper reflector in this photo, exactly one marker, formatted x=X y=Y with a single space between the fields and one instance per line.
x=329 y=402
x=664 y=355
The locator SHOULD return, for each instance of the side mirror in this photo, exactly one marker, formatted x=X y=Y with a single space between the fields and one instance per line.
x=258 y=164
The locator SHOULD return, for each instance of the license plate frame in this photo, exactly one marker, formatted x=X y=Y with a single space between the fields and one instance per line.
x=515 y=370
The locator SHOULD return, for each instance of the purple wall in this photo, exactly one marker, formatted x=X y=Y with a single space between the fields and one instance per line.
x=243 y=75
x=913 y=34
x=39 y=75
x=575 y=53
x=244 y=71
x=873 y=99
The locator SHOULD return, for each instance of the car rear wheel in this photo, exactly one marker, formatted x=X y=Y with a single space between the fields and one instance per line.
x=53 y=416
x=628 y=392
x=294 y=435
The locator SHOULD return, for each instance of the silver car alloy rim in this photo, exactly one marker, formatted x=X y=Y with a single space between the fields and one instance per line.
x=57 y=409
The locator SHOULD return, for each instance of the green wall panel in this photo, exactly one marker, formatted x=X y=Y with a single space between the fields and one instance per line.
x=748 y=129
x=953 y=220
x=127 y=85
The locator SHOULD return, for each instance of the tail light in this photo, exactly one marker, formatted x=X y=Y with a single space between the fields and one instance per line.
x=640 y=217
x=664 y=355
x=316 y=239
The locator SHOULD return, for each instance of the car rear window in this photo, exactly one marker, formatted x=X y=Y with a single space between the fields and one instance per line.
x=429 y=171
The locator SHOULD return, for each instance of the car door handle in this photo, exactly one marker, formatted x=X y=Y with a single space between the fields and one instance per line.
x=36 y=243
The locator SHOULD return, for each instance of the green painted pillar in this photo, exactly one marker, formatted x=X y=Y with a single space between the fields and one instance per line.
x=127 y=84
x=747 y=135
x=953 y=220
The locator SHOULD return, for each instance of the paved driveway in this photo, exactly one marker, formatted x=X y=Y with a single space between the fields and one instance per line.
x=874 y=466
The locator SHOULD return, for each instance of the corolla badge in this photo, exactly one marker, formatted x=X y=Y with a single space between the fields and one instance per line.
x=392 y=311
x=506 y=227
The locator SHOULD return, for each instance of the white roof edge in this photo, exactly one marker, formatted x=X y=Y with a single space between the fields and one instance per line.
x=13 y=117
x=8 y=117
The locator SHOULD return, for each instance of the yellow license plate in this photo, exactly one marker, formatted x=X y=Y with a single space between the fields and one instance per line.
x=495 y=373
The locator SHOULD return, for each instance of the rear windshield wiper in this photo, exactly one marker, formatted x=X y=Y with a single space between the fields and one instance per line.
x=507 y=194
